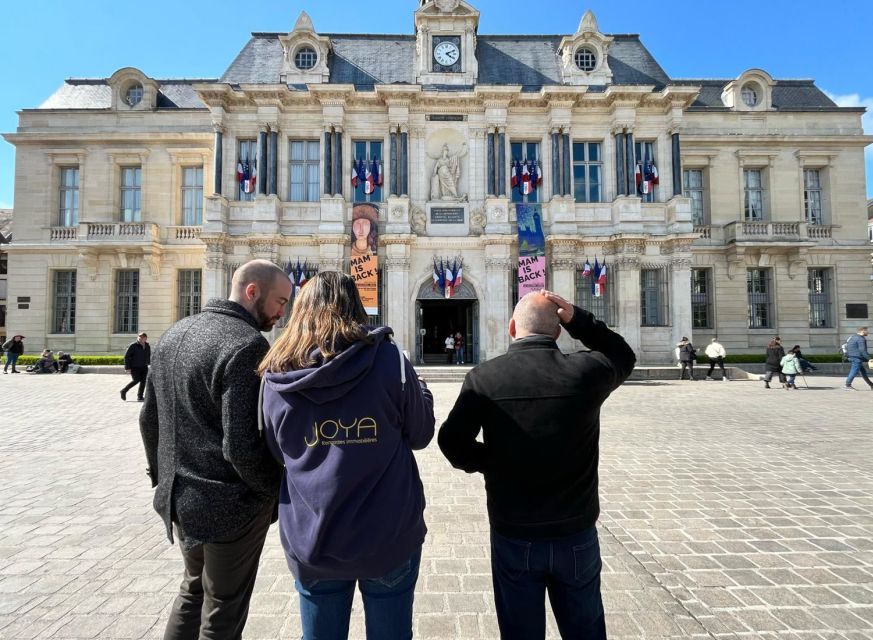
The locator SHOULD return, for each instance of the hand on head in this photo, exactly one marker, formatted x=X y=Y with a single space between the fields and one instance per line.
x=565 y=308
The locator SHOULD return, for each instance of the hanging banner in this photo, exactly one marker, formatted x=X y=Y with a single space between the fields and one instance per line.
x=363 y=266
x=531 y=249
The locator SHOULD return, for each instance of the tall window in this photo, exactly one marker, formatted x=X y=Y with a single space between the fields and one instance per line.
x=368 y=150
x=692 y=182
x=131 y=194
x=760 y=302
x=701 y=298
x=645 y=152
x=192 y=196
x=587 y=171
x=68 y=208
x=126 y=301
x=189 y=292
x=248 y=159
x=522 y=151
x=604 y=306
x=753 y=186
x=303 y=169
x=654 y=300
x=64 y=316
x=812 y=196
x=819 y=284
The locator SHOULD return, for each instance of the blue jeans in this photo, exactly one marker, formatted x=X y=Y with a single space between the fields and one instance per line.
x=11 y=360
x=858 y=367
x=568 y=568
x=325 y=606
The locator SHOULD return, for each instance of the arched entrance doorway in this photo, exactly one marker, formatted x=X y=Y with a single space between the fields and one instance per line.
x=437 y=317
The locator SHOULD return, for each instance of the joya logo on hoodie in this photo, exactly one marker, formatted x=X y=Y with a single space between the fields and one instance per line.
x=336 y=432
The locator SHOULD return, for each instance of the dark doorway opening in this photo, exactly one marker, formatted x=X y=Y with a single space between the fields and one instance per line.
x=441 y=318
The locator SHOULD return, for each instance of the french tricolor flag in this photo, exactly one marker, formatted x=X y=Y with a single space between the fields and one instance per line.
x=525 y=180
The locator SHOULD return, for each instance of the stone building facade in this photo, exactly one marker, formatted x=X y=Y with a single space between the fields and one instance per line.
x=130 y=211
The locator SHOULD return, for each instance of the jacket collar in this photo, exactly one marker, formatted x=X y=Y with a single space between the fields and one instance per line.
x=533 y=342
x=228 y=308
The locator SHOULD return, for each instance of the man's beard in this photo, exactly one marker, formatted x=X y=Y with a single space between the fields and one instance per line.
x=265 y=323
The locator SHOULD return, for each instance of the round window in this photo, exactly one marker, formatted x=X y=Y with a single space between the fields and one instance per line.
x=305 y=58
x=585 y=58
x=750 y=95
x=133 y=96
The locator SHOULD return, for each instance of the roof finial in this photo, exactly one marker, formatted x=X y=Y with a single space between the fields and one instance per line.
x=304 y=23
x=588 y=23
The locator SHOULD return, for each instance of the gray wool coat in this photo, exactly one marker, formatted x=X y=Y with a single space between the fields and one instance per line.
x=211 y=468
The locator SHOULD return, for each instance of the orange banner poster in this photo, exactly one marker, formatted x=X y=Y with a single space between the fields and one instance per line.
x=363 y=266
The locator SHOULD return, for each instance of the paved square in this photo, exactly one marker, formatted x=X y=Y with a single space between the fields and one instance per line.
x=729 y=511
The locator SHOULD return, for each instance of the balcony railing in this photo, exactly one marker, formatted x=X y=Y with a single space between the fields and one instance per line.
x=762 y=232
x=183 y=234
x=105 y=232
x=64 y=233
x=819 y=231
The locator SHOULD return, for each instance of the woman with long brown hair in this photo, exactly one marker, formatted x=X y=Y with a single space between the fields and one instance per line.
x=343 y=410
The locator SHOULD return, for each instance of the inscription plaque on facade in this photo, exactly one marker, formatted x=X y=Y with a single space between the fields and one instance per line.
x=446 y=117
x=447 y=215
x=856 y=311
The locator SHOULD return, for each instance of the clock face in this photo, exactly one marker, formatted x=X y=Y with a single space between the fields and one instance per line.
x=446 y=53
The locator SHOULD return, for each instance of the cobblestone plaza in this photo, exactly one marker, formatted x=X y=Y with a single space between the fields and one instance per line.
x=728 y=511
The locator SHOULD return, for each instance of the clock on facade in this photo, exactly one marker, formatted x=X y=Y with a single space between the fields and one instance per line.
x=446 y=54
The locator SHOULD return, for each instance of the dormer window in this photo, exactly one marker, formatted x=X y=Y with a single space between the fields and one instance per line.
x=585 y=59
x=305 y=58
x=750 y=95
x=133 y=95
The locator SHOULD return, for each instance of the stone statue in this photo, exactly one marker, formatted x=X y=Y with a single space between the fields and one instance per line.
x=446 y=173
x=417 y=221
x=478 y=222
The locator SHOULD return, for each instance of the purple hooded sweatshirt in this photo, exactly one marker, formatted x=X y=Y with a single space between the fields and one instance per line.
x=351 y=505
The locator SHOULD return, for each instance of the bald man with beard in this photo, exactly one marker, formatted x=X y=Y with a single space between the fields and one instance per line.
x=216 y=483
x=539 y=411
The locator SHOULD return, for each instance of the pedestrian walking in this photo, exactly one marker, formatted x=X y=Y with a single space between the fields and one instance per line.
x=805 y=365
x=686 y=354
x=459 y=348
x=450 y=346
x=716 y=354
x=857 y=355
x=14 y=348
x=540 y=413
x=791 y=368
x=216 y=482
x=343 y=410
x=136 y=362
x=773 y=362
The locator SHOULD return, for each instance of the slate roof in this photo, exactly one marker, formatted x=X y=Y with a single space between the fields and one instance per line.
x=368 y=60
x=97 y=94
x=787 y=94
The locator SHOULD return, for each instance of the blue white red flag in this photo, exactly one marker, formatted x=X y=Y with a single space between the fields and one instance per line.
x=354 y=175
x=362 y=175
x=513 y=181
x=458 y=274
x=450 y=280
x=239 y=172
x=377 y=174
x=304 y=275
x=536 y=178
x=369 y=186
x=289 y=271
x=595 y=286
x=525 y=179
x=436 y=276
x=253 y=177
x=586 y=270
x=601 y=277
x=442 y=276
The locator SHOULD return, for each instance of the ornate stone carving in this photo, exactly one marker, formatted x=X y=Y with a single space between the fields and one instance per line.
x=681 y=262
x=634 y=247
x=331 y=264
x=498 y=263
x=397 y=264
x=153 y=261
x=397 y=213
x=417 y=220
x=496 y=214
x=447 y=6
x=91 y=262
x=446 y=174
x=627 y=261
x=478 y=220
x=562 y=263
x=214 y=261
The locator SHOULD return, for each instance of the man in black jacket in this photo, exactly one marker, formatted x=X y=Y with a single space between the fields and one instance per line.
x=136 y=362
x=217 y=483
x=539 y=410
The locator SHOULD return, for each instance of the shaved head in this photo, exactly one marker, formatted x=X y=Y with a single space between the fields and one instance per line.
x=263 y=289
x=260 y=272
x=536 y=314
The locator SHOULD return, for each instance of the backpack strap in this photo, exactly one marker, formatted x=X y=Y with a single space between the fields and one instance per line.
x=261 y=405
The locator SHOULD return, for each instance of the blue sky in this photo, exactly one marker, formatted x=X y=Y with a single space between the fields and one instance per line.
x=44 y=41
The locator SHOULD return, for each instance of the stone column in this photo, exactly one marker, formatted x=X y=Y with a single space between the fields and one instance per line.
x=680 y=294
x=566 y=165
x=404 y=161
x=620 y=165
x=490 y=183
x=398 y=312
x=273 y=162
x=628 y=281
x=217 y=159
x=338 y=162
x=213 y=272
x=262 y=162
x=394 y=161
x=501 y=161
x=630 y=164
x=562 y=265
x=494 y=317
x=328 y=162
x=557 y=184
x=677 y=166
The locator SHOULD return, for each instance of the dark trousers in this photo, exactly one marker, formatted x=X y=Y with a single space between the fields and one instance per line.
x=690 y=365
x=712 y=363
x=213 y=600
x=769 y=375
x=567 y=568
x=138 y=375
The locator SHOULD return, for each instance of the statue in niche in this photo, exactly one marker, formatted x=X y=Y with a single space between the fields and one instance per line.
x=446 y=173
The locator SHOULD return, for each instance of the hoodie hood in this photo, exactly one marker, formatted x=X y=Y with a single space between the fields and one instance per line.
x=331 y=380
